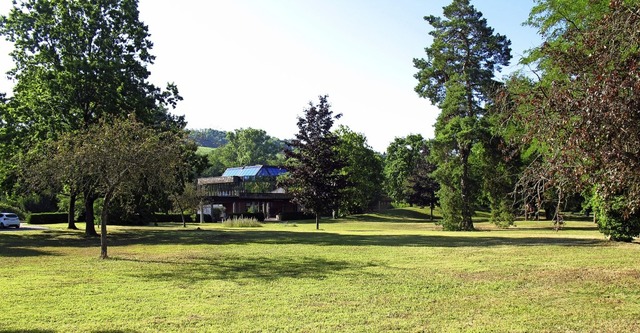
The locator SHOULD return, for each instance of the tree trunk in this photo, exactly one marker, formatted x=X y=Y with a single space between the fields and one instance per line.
x=72 y=211
x=103 y=226
x=89 y=218
x=431 y=206
x=467 y=223
x=317 y=221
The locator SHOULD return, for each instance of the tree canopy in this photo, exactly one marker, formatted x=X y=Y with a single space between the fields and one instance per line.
x=362 y=170
x=117 y=158
x=401 y=161
x=584 y=106
x=76 y=62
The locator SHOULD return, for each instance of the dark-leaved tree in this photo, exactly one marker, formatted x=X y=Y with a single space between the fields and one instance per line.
x=421 y=186
x=585 y=105
x=314 y=165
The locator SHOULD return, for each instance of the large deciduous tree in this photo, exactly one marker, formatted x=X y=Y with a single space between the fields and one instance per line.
x=249 y=146
x=77 y=61
x=401 y=160
x=315 y=177
x=458 y=76
x=363 y=171
x=585 y=105
x=117 y=157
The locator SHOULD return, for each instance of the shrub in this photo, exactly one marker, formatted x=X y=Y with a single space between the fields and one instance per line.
x=47 y=218
x=39 y=203
x=216 y=213
x=9 y=208
x=257 y=216
x=207 y=218
x=613 y=222
x=502 y=215
x=241 y=223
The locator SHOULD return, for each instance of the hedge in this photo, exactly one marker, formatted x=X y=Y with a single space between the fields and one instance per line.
x=47 y=218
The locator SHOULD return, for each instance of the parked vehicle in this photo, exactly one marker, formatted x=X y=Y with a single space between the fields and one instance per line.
x=9 y=220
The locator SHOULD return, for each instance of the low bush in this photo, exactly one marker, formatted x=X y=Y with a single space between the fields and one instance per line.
x=614 y=222
x=47 y=218
x=257 y=216
x=207 y=218
x=241 y=223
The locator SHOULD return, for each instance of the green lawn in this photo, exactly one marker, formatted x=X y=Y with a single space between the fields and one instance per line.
x=372 y=273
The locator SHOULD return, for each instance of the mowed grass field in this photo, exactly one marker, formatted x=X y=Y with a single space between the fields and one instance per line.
x=391 y=272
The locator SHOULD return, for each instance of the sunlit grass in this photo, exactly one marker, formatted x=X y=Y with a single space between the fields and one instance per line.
x=374 y=273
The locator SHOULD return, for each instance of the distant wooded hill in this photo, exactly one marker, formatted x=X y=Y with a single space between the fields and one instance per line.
x=209 y=137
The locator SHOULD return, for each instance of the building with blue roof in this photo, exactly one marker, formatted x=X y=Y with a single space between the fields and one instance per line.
x=248 y=188
x=254 y=171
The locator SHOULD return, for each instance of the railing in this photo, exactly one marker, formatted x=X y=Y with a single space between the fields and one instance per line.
x=260 y=187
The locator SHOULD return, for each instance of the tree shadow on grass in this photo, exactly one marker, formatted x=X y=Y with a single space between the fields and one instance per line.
x=33 y=244
x=26 y=331
x=234 y=268
x=394 y=215
x=220 y=237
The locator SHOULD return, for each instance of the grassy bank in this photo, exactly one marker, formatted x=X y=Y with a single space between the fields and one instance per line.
x=371 y=273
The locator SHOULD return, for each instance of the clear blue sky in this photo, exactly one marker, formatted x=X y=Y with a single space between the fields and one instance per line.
x=257 y=63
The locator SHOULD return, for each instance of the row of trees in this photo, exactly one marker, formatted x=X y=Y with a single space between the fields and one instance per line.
x=530 y=142
x=84 y=120
x=82 y=102
x=537 y=140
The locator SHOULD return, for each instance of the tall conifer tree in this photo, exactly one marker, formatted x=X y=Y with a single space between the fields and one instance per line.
x=458 y=77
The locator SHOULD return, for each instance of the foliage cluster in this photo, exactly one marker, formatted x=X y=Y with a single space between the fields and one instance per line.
x=208 y=137
x=46 y=218
x=579 y=118
x=245 y=146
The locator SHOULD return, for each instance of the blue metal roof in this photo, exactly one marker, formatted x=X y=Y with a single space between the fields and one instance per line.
x=254 y=171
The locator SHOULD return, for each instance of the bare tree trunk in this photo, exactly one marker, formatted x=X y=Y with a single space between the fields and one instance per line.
x=317 y=221
x=431 y=206
x=103 y=226
x=89 y=218
x=467 y=223
x=72 y=211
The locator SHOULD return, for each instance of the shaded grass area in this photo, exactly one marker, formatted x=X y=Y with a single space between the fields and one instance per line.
x=355 y=275
x=408 y=214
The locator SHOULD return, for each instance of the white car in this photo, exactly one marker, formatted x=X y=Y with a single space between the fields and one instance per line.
x=9 y=220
